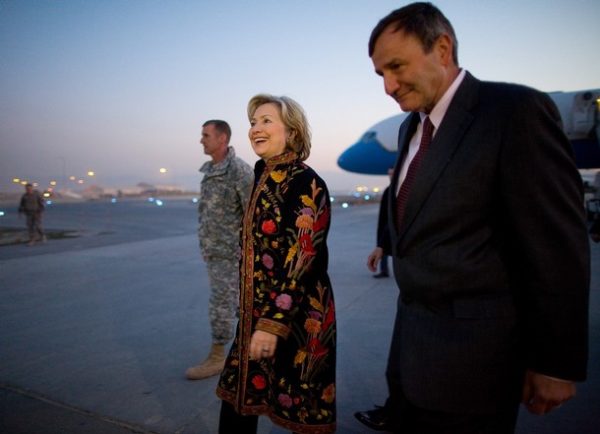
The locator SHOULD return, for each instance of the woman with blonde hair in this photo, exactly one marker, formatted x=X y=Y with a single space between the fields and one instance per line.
x=282 y=361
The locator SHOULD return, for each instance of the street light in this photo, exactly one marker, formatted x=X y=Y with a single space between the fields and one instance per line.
x=162 y=170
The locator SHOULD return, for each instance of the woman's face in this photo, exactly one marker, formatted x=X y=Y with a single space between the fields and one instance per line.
x=268 y=134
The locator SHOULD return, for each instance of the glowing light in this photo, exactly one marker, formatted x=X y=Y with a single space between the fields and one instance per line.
x=80 y=181
x=91 y=173
x=71 y=178
x=332 y=199
x=345 y=205
x=162 y=170
x=376 y=189
x=46 y=194
x=16 y=180
x=114 y=200
x=35 y=184
x=151 y=199
x=52 y=182
x=367 y=197
x=23 y=182
x=195 y=200
x=159 y=202
x=1 y=213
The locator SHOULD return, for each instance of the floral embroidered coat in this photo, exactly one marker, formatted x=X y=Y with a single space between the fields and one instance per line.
x=285 y=290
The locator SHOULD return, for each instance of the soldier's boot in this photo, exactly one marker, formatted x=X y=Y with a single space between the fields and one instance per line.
x=213 y=364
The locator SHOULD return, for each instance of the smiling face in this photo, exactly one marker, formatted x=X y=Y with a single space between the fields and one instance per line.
x=415 y=79
x=268 y=134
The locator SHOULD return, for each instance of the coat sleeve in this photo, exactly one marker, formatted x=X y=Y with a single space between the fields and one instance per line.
x=383 y=235
x=542 y=199
x=300 y=251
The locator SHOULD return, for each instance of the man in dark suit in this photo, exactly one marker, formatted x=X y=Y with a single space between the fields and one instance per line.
x=488 y=239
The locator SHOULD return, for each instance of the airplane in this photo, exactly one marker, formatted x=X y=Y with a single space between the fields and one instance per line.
x=376 y=151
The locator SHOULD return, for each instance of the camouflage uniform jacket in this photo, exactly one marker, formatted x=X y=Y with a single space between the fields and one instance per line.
x=224 y=192
x=31 y=203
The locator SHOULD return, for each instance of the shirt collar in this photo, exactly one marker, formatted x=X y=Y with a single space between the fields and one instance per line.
x=439 y=111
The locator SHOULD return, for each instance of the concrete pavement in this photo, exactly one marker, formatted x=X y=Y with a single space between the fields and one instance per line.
x=97 y=331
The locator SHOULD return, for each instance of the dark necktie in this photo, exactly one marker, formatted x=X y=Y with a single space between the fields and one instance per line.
x=412 y=171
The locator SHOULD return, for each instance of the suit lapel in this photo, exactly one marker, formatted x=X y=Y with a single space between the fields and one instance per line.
x=405 y=133
x=443 y=146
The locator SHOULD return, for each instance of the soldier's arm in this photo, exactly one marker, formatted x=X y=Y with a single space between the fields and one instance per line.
x=41 y=202
x=244 y=184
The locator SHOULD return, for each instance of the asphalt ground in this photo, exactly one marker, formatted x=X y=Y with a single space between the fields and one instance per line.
x=97 y=328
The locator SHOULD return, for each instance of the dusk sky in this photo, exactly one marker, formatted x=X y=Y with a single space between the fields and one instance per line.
x=123 y=87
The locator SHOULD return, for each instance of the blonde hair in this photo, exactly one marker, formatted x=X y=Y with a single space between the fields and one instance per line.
x=293 y=118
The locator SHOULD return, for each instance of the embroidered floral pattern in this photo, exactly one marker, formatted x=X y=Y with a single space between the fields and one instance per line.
x=283 y=302
x=269 y=227
x=259 y=382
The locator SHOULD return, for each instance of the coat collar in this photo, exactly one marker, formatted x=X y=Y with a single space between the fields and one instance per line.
x=272 y=162
x=214 y=169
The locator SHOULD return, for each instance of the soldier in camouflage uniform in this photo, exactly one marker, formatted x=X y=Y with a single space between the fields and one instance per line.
x=224 y=192
x=32 y=205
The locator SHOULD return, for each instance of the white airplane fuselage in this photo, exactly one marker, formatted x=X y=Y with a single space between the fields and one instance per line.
x=376 y=150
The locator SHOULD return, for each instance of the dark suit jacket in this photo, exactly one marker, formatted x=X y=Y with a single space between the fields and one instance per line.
x=492 y=260
x=383 y=237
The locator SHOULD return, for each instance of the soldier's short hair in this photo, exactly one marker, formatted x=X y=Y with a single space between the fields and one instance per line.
x=222 y=127
x=293 y=118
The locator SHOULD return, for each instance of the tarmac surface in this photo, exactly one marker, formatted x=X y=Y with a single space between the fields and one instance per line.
x=98 y=327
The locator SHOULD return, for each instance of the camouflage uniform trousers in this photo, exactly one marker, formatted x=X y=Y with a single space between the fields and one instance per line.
x=223 y=275
x=34 y=225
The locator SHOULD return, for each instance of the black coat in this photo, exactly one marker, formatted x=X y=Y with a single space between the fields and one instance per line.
x=285 y=290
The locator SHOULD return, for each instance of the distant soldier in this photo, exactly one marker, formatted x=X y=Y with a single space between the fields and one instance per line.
x=32 y=205
x=224 y=192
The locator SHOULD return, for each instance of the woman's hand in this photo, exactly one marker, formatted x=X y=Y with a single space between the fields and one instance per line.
x=262 y=345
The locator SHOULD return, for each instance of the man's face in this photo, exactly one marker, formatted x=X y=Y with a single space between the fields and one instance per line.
x=414 y=79
x=212 y=140
x=28 y=189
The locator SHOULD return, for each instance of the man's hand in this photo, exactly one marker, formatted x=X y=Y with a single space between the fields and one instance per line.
x=542 y=394
x=374 y=258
